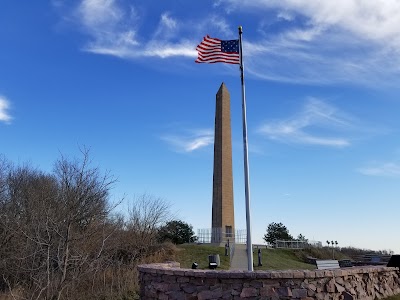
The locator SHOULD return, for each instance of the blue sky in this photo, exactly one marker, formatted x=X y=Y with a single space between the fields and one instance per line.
x=118 y=77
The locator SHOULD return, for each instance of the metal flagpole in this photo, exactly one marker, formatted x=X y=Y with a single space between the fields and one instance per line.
x=246 y=158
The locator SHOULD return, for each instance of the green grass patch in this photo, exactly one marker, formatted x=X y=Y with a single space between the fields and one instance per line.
x=187 y=254
x=280 y=259
x=272 y=259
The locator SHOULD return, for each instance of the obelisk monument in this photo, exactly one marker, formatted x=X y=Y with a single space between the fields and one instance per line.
x=223 y=221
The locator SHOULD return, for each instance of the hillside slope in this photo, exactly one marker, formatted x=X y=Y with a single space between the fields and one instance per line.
x=272 y=259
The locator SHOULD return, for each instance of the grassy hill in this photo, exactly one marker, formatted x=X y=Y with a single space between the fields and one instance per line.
x=281 y=259
x=187 y=254
x=272 y=259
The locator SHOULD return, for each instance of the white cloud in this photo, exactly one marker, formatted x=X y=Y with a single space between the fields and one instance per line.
x=170 y=50
x=387 y=169
x=190 y=142
x=284 y=15
x=367 y=19
x=4 y=107
x=110 y=27
x=220 y=24
x=326 y=41
x=100 y=13
x=315 y=42
x=167 y=21
x=113 y=31
x=306 y=35
x=167 y=27
x=315 y=116
x=320 y=55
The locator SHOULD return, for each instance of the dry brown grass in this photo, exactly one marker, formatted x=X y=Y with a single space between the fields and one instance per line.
x=117 y=281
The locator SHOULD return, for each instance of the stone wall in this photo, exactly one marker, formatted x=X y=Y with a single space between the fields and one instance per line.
x=169 y=281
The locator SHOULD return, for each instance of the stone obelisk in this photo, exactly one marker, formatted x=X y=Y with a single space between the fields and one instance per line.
x=223 y=221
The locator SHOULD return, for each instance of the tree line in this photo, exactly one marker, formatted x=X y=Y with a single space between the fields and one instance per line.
x=60 y=237
x=278 y=231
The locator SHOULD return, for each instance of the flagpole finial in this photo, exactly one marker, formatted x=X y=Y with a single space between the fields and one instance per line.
x=240 y=29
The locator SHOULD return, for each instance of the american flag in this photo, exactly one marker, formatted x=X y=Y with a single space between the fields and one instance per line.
x=212 y=50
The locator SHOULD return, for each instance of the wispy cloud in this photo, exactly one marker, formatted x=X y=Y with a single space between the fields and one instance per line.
x=114 y=31
x=110 y=27
x=284 y=15
x=372 y=20
x=308 y=42
x=386 y=169
x=100 y=13
x=189 y=142
x=4 y=107
x=167 y=26
x=326 y=42
x=313 y=125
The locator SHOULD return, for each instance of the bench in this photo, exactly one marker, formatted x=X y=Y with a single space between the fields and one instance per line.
x=345 y=263
x=376 y=260
x=371 y=259
x=327 y=264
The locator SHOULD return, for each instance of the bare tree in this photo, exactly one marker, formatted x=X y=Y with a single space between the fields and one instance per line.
x=59 y=239
x=145 y=216
x=26 y=212
x=4 y=234
x=83 y=201
x=57 y=226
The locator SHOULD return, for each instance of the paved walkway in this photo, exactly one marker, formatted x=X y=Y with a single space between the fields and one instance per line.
x=239 y=259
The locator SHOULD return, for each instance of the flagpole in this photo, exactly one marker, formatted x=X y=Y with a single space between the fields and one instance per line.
x=246 y=158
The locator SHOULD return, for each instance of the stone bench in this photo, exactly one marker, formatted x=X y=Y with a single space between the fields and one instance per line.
x=327 y=264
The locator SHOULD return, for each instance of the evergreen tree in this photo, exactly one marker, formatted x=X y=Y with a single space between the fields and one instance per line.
x=277 y=231
x=178 y=232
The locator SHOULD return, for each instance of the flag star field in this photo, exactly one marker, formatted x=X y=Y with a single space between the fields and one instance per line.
x=120 y=78
x=230 y=46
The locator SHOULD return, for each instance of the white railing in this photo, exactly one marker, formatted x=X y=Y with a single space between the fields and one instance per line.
x=290 y=244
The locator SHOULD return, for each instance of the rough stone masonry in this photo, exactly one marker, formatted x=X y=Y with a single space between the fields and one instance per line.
x=169 y=281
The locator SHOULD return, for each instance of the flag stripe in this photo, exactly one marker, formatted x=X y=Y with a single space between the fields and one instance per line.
x=210 y=54
x=210 y=50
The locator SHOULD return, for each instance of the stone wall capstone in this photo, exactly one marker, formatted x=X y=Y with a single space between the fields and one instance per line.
x=169 y=281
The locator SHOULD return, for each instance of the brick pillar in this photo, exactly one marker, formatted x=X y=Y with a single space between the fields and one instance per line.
x=223 y=222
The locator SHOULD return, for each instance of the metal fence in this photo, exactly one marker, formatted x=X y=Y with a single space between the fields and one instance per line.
x=290 y=244
x=216 y=235
x=297 y=244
